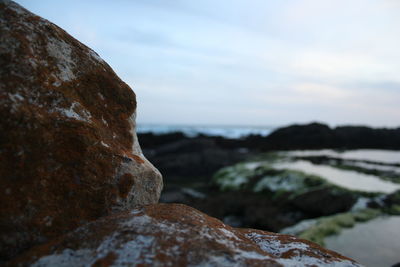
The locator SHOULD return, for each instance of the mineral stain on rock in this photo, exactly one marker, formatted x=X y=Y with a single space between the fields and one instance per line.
x=67 y=123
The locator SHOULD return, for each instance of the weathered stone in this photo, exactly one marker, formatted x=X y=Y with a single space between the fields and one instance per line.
x=175 y=235
x=68 y=147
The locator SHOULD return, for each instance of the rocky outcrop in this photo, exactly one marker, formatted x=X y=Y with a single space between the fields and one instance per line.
x=175 y=235
x=317 y=136
x=68 y=147
x=195 y=158
x=325 y=201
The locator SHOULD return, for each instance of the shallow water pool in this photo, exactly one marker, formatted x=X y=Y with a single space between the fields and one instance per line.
x=345 y=178
x=373 y=243
x=377 y=155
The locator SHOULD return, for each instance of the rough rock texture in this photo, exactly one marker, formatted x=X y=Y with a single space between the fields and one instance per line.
x=175 y=235
x=68 y=147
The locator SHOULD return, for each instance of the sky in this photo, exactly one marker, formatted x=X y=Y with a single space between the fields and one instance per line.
x=246 y=62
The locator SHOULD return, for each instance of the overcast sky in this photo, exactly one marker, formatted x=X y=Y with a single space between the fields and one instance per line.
x=248 y=62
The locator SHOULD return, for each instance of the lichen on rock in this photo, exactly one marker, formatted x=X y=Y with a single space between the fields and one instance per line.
x=175 y=235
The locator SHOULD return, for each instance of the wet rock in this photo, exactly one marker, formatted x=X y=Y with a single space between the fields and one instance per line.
x=175 y=235
x=249 y=210
x=68 y=147
x=392 y=199
x=324 y=201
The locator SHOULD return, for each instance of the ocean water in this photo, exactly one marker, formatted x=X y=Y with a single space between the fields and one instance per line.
x=233 y=132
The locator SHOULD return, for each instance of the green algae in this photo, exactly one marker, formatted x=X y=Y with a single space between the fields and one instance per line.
x=262 y=177
x=332 y=225
x=234 y=177
x=393 y=210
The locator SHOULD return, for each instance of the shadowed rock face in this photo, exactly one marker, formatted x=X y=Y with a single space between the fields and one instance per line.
x=68 y=147
x=175 y=235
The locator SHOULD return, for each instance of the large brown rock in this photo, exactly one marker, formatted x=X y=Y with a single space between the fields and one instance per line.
x=175 y=235
x=68 y=147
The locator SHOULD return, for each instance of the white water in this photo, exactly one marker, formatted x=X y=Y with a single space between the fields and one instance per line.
x=374 y=243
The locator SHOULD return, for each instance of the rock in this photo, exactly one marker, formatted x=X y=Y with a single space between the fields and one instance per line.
x=319 y=136
x=68 y=147
x=392 y=199
x=175 y=235
x=152 y=141
x=195 y=159
x=311 y=136
x=250 y=210
x=324 y=201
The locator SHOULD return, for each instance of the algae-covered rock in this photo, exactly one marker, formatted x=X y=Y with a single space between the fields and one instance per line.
x=261 y=176
x=317 y=230
x=309 y=193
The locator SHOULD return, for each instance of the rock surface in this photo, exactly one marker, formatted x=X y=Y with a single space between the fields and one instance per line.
x=68 y=147
x=325 y=201
x=175 y=235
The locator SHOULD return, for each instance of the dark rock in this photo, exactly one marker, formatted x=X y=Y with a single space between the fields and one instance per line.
x=248 y=209
x=392 y=199
x=151 y=141
x=311 y=136
x=191 y=158
x=318 y=136
x=325 y=201
x=68 y=148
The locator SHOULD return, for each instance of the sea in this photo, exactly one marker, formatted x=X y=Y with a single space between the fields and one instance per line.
x=233 y=132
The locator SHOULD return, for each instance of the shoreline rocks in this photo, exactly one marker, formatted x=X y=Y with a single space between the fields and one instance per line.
x=319 y=136
x=297 y=136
